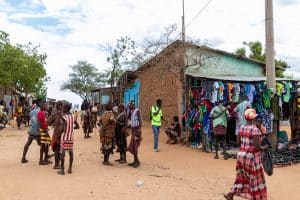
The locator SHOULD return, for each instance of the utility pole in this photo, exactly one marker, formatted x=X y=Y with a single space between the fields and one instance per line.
x=270 y=61
x=183 y=23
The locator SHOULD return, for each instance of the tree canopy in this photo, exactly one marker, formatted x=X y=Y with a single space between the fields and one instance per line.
x=83 y=78
x=22 y=67
x=257 y=52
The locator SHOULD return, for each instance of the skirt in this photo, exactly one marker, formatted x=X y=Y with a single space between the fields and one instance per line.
x=45 y=137
x=250 y=181
x=66 y=145
x=134 y=142
x=220 y=130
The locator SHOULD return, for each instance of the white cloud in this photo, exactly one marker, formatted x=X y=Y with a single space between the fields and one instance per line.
x=224 y=24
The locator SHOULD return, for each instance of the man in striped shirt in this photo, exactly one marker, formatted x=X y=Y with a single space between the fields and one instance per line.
x=67 y=138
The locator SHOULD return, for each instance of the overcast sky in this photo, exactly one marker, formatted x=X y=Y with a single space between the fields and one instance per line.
x=71 y=30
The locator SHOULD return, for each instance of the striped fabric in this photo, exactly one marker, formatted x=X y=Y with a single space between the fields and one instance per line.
x=68 y=136
x=250 y=181
x=45 y=137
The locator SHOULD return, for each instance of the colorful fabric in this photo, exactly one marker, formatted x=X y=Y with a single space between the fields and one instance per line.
x=267 y=120
x=135 y=141
x=287 y=92
x=45 y=137
x=215 y=92
x=41 y=117
x=240 y=109
x=250 y=181
x=230 y=91
x=267 y=98
x=108 y=124
x=220 y=91
x=246 y=134
x=225 y=93
x=236 y=92
x=67 y=138
x=251 y=92
x=279 y=88
x=219 y=116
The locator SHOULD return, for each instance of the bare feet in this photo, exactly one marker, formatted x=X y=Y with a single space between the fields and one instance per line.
x=107 y=163
x=43 y=163
x=70 y=171
x=136 y=165
x=122 y=161
x=24 y=160
x=56 y=167
x=61 y=172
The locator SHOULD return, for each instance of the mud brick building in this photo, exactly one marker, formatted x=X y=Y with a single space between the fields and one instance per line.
x=166 y=75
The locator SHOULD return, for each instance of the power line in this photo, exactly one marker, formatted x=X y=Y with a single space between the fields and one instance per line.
x=197 y=15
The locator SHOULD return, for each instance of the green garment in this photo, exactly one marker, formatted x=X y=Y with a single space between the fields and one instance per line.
x=202 y=109
x=156 y=119
x=267 y=98
x=279 y=88
x=275 y=107
x=219 y=115
x=287 y=96
x=241 y=107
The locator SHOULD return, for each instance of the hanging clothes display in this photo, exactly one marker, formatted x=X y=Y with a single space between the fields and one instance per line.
x=238 y=96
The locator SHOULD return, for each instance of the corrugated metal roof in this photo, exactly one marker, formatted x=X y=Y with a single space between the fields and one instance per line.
x=236 y=78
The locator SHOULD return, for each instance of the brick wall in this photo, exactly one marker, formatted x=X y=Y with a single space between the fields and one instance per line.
x=160 y=80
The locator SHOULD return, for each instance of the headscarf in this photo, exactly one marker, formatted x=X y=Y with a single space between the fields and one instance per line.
x=250 y=114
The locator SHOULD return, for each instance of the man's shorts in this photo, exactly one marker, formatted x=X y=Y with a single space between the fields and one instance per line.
x=36 y=138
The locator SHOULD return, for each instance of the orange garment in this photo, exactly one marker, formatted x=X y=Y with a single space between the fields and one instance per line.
x=230 y=87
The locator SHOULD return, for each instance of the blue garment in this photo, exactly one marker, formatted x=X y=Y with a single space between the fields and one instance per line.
x=34 y=125
x=225 y=93
x=267 y=120
x=156 y=130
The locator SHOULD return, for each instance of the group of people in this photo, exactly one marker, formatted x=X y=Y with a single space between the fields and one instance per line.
x=114 y=129
x=63 y=135
x=115 y=123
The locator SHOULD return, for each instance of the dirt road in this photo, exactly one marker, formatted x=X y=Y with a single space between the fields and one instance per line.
x=176 y=172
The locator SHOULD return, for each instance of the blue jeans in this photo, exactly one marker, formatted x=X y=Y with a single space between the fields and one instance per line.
x=155 y=130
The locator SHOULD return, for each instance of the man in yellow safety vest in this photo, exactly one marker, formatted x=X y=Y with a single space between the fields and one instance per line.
x=156 y=117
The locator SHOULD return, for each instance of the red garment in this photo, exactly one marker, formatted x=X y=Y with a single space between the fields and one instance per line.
x=250 y=181
x=207 y=104
x=68 y=136
x=42 y=120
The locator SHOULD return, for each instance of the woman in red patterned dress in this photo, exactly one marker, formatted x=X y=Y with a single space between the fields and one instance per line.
x=250 y=181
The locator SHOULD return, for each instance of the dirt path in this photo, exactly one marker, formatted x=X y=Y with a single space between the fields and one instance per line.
x=176 y=172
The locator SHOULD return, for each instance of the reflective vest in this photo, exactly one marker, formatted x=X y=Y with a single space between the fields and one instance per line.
x=156 y=119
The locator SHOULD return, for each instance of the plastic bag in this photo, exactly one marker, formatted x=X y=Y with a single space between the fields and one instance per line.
x=267 y=163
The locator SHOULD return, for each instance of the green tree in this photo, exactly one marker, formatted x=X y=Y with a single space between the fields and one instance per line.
x=21 y=66
x=121 y=56
x=83 y=78
x=257 y=52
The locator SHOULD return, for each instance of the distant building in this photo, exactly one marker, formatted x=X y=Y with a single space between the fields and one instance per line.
x=104 y=95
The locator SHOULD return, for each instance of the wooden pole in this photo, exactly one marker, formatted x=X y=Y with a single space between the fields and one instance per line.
x=270 y=61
